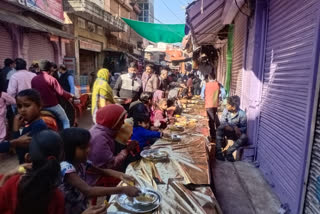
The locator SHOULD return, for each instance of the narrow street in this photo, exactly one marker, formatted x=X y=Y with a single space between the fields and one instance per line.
x=199 y=106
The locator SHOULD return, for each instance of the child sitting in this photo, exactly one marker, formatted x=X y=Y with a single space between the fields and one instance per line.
x=159 y=118
x=142 y=134
x=36 y=191
x=73 y=169
x=28 y=117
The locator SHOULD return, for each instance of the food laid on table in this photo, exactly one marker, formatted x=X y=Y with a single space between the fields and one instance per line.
x=154 y=155
x=147 y=201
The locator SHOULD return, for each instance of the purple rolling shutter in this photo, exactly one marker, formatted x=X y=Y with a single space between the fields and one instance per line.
x=287 y=98
x=239 y=38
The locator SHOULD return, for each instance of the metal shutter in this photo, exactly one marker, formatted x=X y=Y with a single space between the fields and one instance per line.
x=288 y=85
x=240 y=32
x=40 y=48
x=312 y=202
x=222 y=63
x=6 y=45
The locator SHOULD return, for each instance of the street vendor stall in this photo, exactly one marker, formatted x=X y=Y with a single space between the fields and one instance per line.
x=181 y=176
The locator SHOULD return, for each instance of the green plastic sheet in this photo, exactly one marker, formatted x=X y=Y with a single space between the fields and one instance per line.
x=229 y=58
x=168 y=33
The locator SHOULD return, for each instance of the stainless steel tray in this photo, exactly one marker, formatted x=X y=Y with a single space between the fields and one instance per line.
x=128 y=204
x=154 y=155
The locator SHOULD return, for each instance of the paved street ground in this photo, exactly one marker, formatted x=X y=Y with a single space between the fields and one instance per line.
x=240 y=188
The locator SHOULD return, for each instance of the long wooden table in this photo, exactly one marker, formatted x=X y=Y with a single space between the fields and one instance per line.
x=183 y=180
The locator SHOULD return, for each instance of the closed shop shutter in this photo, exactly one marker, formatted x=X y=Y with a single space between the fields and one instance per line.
x=6 y=45
x=240 y=32
x=312 y=202
x=288 y=85
x=222 y=64
x=40 y=48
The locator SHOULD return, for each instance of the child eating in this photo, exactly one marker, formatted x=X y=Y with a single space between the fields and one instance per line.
x=142 y=134
x=36 y=191
x=28 y=117
x=73 y=170
x=158 y=118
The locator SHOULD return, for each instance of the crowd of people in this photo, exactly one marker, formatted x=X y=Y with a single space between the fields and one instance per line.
x=60 y=172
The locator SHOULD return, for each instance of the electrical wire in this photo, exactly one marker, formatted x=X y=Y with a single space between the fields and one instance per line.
x=162 y=23
x=171 y=11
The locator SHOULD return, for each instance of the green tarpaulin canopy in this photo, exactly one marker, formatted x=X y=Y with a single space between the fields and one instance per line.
x=168 y=33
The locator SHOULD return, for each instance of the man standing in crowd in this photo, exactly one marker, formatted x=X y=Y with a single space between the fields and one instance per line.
x=212 y=103
x=163 y=80
x=66 y=80
x=128 y=85
x=233 y=126
x=49 y=88
x=5 y=74
x=150 y=81
x=21 y=79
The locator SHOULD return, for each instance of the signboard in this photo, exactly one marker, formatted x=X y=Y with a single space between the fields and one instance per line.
x=49 y=8
x=90 y=45
x=70 y=63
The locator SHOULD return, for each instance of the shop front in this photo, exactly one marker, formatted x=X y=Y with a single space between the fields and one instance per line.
x=89 y=51
x=6 y=45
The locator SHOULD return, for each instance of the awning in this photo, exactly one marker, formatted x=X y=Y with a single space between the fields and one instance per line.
x=204 y=17
x=28 y=22
x=168 y=33
x=182 y=60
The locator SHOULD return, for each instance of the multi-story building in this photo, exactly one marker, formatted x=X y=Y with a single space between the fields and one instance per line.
x=32 y=30
x=147 y=10
x=98 y=29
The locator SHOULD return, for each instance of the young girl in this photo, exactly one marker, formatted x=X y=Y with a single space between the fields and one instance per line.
x=73 y=169
x=5 y=99
x=159 y=119
x=36 y=191
x=28 y=117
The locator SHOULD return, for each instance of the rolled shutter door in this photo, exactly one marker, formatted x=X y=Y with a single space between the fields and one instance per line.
x=40 y=48
x=240 y=33
x=286 y=108
x=6 y=45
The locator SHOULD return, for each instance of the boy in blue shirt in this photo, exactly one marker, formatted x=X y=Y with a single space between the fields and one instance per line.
x=141 y=132
x=233 y=125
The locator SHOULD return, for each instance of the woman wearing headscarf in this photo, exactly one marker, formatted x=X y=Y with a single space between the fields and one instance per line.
x=109 y=121
x=102 y=94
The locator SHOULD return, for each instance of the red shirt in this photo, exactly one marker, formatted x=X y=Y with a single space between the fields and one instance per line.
x=9 y=198
x=49 y=88
x=211 y=94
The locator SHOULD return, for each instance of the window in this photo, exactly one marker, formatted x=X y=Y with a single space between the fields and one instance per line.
x=146 y=6
x=81 y=23
x=91 y=27
x=100 y=30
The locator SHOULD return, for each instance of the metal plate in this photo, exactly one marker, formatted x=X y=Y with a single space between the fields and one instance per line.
x=154 y=154
x=127 y=203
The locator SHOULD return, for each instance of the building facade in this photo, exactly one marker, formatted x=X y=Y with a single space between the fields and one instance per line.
x=101 y=37
x=147 y=10
x=32 y=31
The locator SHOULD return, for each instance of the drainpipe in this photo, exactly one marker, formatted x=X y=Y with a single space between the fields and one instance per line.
x=229 y=58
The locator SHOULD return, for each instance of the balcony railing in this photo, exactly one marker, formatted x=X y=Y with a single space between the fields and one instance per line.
x=87 y=9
